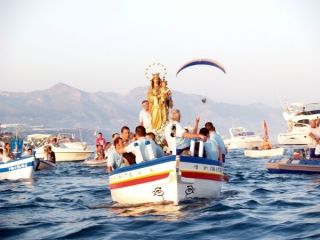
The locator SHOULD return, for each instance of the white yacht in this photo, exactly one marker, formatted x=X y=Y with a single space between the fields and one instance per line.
x=298 y=116
x=301 y=112
x=66 y=148
x=64 y=153
x=242 y=138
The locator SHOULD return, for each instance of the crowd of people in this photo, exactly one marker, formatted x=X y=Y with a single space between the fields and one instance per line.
x=129 y=148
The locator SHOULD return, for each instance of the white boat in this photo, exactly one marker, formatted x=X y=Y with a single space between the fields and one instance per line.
x=167 y=179
x=264 y=153
x=298 y=116
x=242 y=138
x=95 y=163
x=20 y=168
x=301 y=112
x=297 y=134
x=65 y=154
x=67 y=139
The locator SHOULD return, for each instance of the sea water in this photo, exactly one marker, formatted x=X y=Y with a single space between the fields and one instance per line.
x=74 y=202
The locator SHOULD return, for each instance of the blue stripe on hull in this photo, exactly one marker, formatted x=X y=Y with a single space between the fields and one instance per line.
x=15 y=167
x=165 y=160
x=292 y=171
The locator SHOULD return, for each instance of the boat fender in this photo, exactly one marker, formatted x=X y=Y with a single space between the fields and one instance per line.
x=149 y=150
x=192 y=146
x=201 y=147
x=137 y=152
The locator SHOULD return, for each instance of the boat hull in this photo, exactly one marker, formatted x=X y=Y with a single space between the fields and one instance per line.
x=168 y=179
x=293 y=139
x=17 y=169
x=309 y=166
x=244 y=143
x=264 y=153
x=95 y=163
x=66 y=154
x=44 y=165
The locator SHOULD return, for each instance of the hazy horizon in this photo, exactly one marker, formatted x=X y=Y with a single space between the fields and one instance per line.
x=270 y=49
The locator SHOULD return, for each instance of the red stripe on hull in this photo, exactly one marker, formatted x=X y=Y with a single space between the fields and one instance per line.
x=138 y=181
x=199 y=175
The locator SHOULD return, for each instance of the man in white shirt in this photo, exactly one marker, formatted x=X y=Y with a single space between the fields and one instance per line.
x=176 y=136
x=314 y=138
x=142 y=148
x=144 y=116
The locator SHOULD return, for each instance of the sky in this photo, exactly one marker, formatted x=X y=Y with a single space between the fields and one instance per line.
x=269 y=48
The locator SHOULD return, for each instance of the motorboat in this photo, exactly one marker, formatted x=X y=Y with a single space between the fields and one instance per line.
x=292 y=165
x=42 y=164
x=64 y=153
x=274 y=152
x=18 y=168
x=297 y=134
x=171 y=178
x=298 y=116
x=299 y=112
x=241 y=138
x=67 y=139
x=266 y=150
x=95 y=163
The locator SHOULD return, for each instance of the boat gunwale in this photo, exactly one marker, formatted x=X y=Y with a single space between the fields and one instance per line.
x=165 y=159
x=17 y=159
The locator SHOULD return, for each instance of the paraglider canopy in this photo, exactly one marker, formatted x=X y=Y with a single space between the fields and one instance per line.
x=202 y=62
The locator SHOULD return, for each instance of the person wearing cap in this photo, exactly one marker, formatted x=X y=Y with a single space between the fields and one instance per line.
x=177 y=137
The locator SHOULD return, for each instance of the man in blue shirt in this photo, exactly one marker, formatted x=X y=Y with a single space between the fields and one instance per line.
x=215 y=136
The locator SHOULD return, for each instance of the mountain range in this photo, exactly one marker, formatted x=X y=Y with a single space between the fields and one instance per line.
x=68 y=107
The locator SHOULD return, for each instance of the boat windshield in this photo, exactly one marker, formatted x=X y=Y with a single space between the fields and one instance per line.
x=236 y=132
x=303 y=109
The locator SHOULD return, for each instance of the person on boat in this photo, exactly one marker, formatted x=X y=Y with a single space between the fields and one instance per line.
x=266 y=145
x=51 y=155
x=176 y=136
x=45 y=152
x=215 y=136
x=211 y=147
x=1 y=154
x=55 y=142
x=159 y=151
x=125 y=135
x=100 y=153
x=144 y=116
x=114 y=158
x=114 y=136
x=7 y=153
x=142 y=148
x=111 y=147
x=314 y=138
x=29 y=152
x=100 y=140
